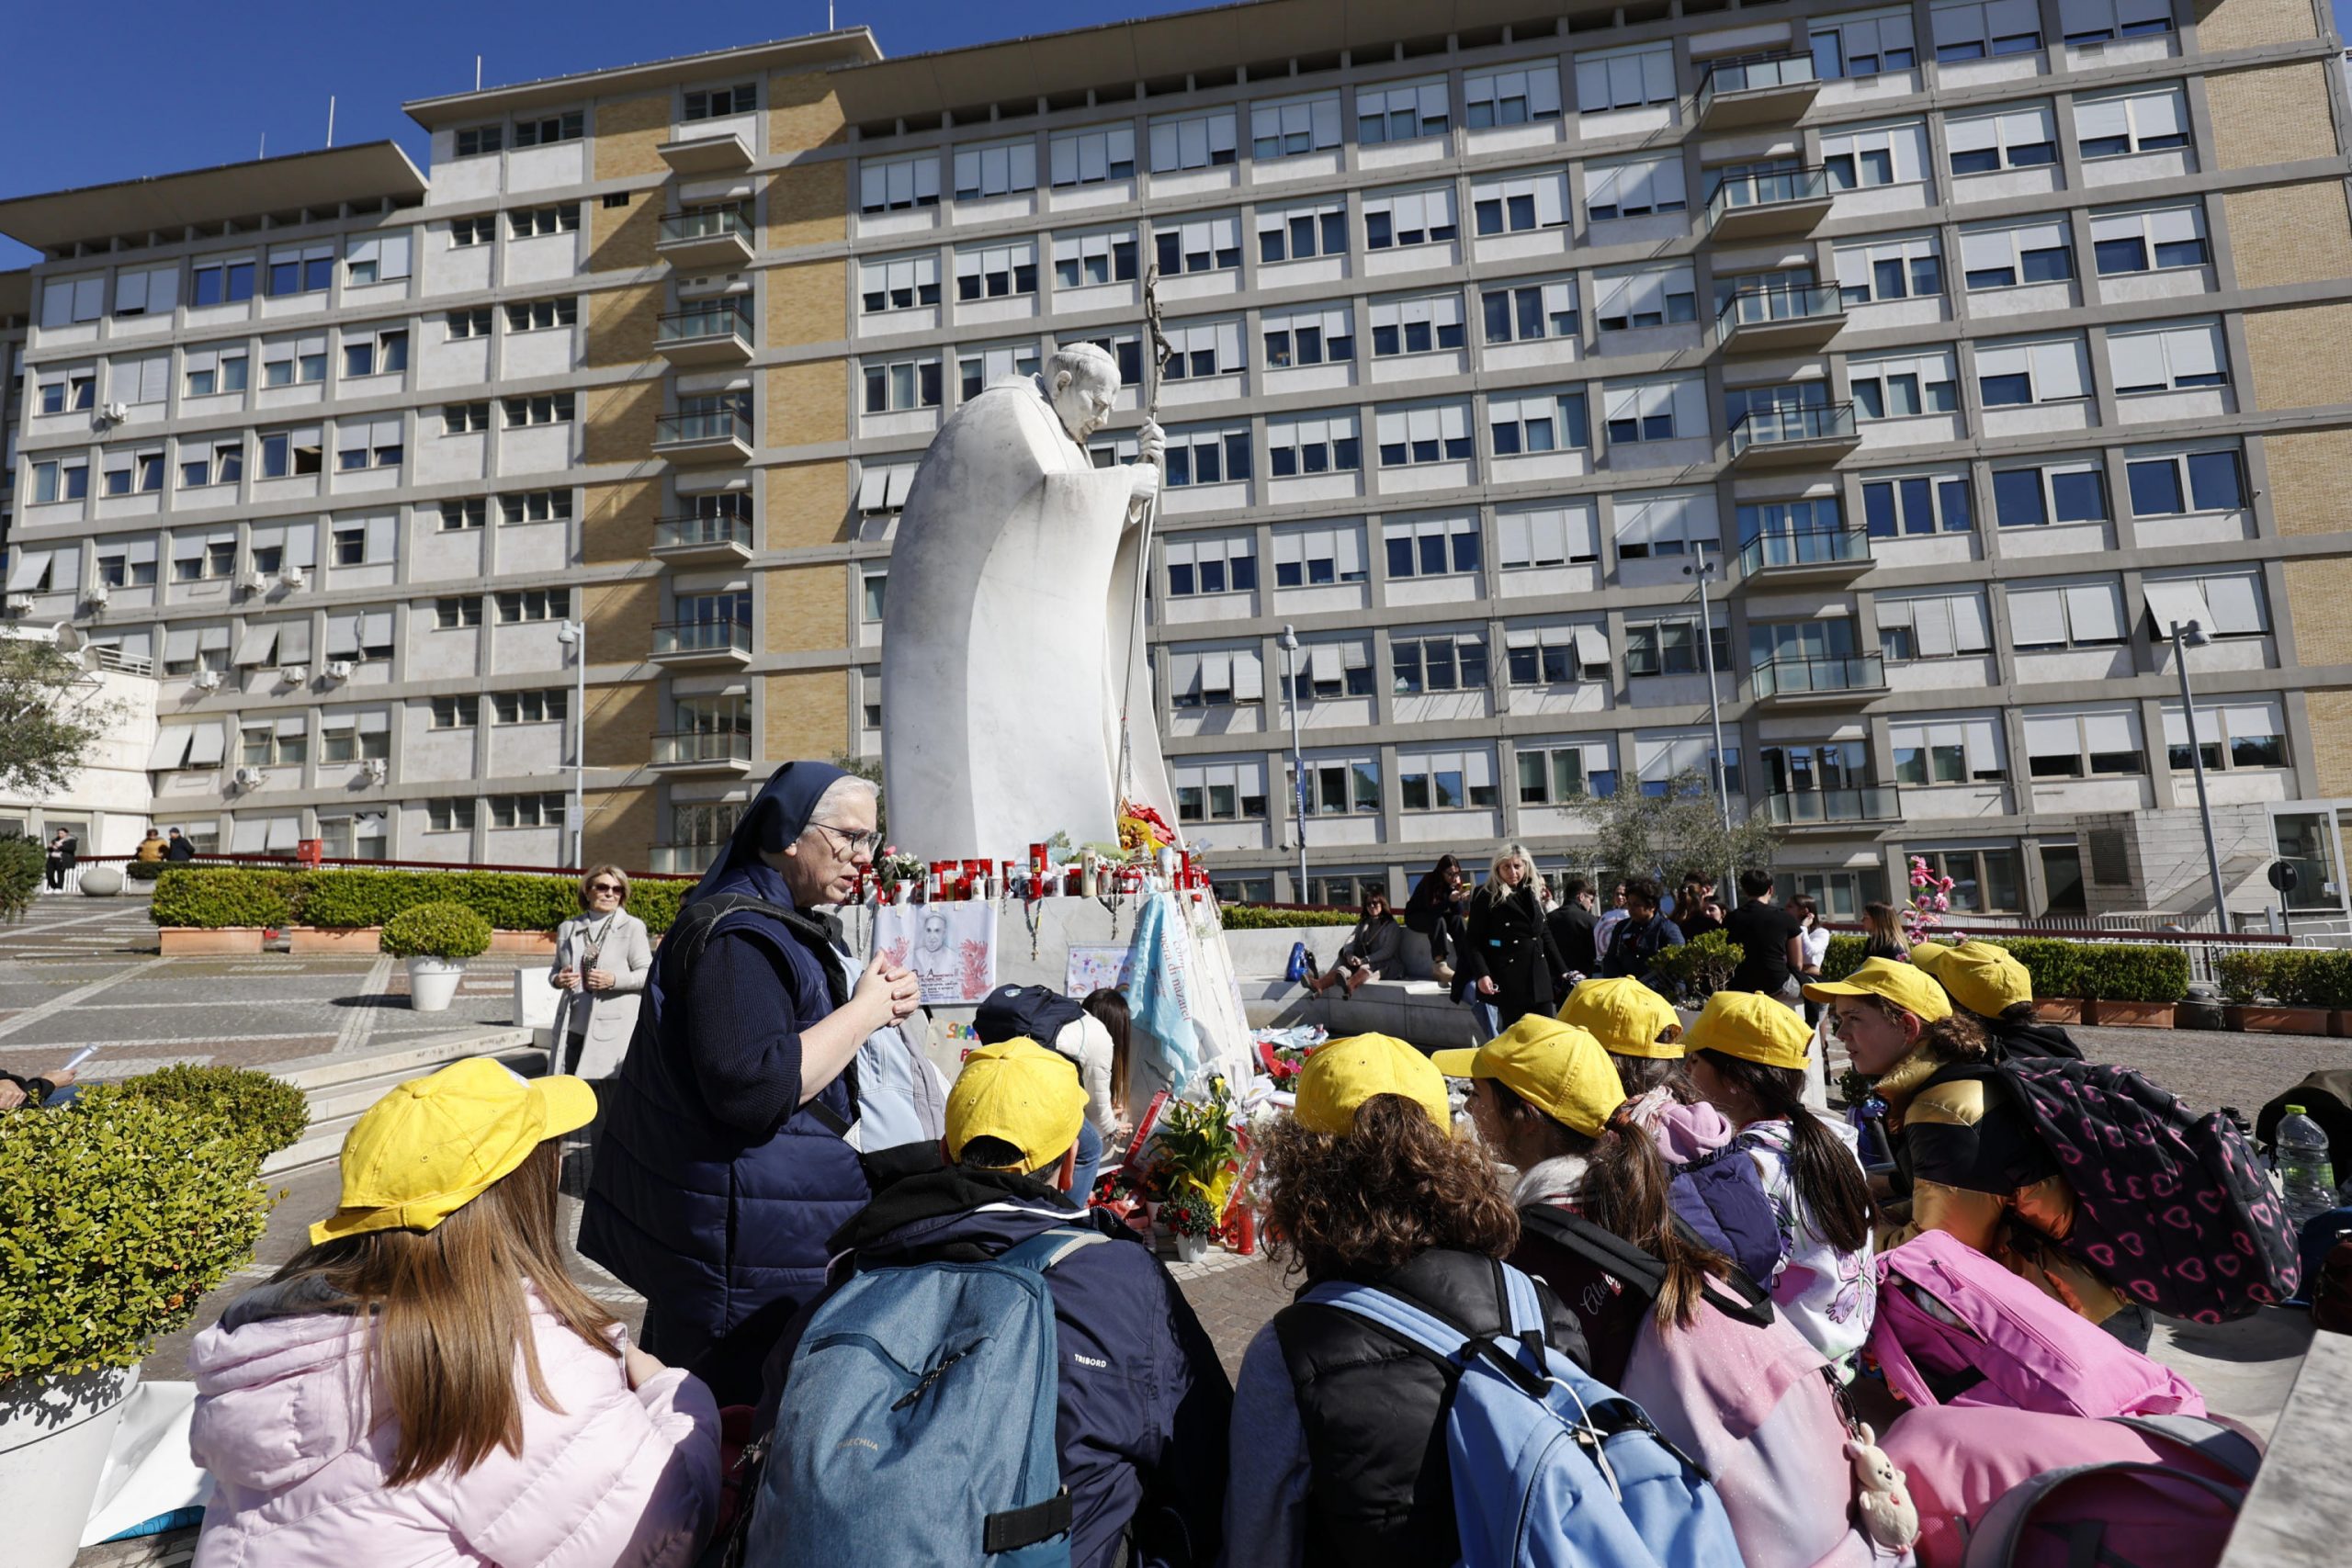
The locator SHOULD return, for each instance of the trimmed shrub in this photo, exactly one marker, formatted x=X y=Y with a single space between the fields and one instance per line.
x=510 y=901
x=22 y=862
x=129 y=1210
x=1699 y=968
x=657 y=903
x=1259 y=917
x=214 y=899
x=435 y=931
x=1845 y=956
x=261 y=1113
x=2131 y=972
x=144 y=870
x=2289 y=977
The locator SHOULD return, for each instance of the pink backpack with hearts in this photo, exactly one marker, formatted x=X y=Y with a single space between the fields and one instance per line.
x=1954 y=1327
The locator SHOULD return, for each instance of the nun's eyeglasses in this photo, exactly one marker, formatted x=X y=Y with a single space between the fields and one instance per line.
x=852 y=843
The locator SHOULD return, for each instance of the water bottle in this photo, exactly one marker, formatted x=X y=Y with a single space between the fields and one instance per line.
x=2307 y=1183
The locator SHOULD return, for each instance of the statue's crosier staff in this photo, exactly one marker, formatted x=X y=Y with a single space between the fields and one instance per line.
x=1162 y=352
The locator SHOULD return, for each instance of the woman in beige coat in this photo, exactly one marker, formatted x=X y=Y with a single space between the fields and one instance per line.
x=603 y=957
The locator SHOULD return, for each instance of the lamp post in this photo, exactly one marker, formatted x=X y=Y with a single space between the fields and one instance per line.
x=574 y=635
x=1703 y=568
x=2186 y=635
x=1298 y=757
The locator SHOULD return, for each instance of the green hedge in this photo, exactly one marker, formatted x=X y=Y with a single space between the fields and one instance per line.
x=144 y=870
x=2291 y=977
x=1699 y=968
x=1258 y=917
x=2107 y=971
x=356 y=900
x=260 y=1112
x=210 y=898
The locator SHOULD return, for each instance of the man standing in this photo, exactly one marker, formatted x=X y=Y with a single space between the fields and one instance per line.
x=1771 y=942
x=181 y=848
x=151 y=847
x=1573 y=924
x=63 y=849
x=1633 y=946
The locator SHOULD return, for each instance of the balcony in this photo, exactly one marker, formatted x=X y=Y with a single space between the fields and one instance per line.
x=1817 y=683
x=708 y=436
x=686 y=644
x=703 y=751
x=1818 y=435
x=702 y=541
x=1831 y=807
x=699 y=157
x=1812 y=555
x=1764 y=207
x=1795 y=319
x=1773 y=90
x=705 y=337
x=708 y=239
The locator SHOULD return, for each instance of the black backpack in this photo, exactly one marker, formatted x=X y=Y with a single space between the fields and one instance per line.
x=1026 y=1013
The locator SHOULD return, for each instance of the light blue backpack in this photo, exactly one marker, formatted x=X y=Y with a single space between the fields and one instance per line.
x=1552 y=1468
x=918 y=1421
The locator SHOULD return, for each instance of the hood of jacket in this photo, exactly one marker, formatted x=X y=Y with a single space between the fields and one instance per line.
x=280 y=1376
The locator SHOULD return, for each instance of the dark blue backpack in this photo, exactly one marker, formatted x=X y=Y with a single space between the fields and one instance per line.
x=1721 y=1197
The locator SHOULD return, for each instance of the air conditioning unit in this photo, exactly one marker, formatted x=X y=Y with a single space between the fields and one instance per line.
x=208 y=680
x=293 y=674
x=96 y=597
x=116 y=412
x=252 y=581
x=291 y=577
x=248 y=778
x=20 y=603
x=338 y=670
x=377 y=769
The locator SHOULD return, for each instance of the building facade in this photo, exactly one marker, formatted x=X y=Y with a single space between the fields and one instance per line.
x=1956 y=353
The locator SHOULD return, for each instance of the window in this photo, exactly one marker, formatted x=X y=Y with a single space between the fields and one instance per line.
x=376 y=353
x=1205 y=348
x=1624 y=79
x=1402 y=111
x=476 y=231
x=2053 y=371
x=1636 y=189
x=1339 y=784
x=1318 y=558
x=187 y=649
x=1433 y=546
x=457 y=613
x=2172 y=483
x=1445 y=781
x=998 y=272
x=1670 y=647
x=1983 y=881
x=1417 y=326
x=211 y=462
x=2149 y=241
x=2084 y=745
x=291 y=454
x=1664 y=523
x=1556 y=656
x=1647 y=297
x=1207 y=455
x=469 y=323
x=1553 y=774
x=140 y=473
x=147 y=291
x=1551 y=534
x=458 y=516
x=1083 y=260
x=2027 y=252
x=1930 y=751
x=2007 y=139
x=902 y=283
x=1882 y=156
x=1215 y=677
x=377 y=258
x=130 y=565
x=68 y=301
x=544 y=408
x=2147 y=121
x=1530 y=311
x=1510 y=97
x=2066 y=614
x=2226 y=604
x=904 y=385
x=1410 y=437
x=1546 y=421
x=1934 y=626
x=1660 y=760
x=367 y=443
x=2245 y=733
x=881 y=488
x=1863 y=45
x=464 y=419
x=44 y=571
x=1213 y=791
x=1657 y=411
x=1309 y=337
x=1091 y=157
x=1890 y=269
x=291 y=361
x=2097 y=21
x=1903 y=385
x=360 y=633
x=364 y=541
x=1193 y=141
x=480 y=140
x=527 y=810
x=898 y=185
x=1202 y=245
x=1319 y=443
x=74 y=392
x=1910 y=504
x=1212 y=566
x=999 y=168
x=1409 y=217
x=2055 y=492
x=209 y=370
x=450 y=816
x=530 y=707
x=2168 y=359
x=980 y=368
x=716 y=103
x=1288 y=127
x=213 y=283
x=526 y=222
x=541 y=315
x=60 y=481
x=286 y=743
x=533 y=604
x=301 y=269
x=1980 y=30
x=1782 y=520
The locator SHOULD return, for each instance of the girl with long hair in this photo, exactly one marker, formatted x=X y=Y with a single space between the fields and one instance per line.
x=425 y=1382
x=1883 y=934
x=1110 y=1010
x=1373 y=950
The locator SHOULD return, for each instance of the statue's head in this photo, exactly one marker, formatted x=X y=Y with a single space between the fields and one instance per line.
x=1083 y=381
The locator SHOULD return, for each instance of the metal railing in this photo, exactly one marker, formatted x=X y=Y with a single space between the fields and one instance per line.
x=1754 y=76
x=106 y=656
x=702 y=746
x=1788 y=302
x=1736 y=192
x=1803 y=546
x=701 y=636
x=707 y=223
x=683 y=533
x=706 y=321
x=1794 y=677
x=1870 y=803
x=1786 y=426
x=711 y=424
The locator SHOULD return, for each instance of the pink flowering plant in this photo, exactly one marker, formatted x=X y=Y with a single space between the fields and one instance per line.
x=1930 y=900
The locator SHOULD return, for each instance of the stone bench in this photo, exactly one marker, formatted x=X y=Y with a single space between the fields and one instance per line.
x=1416 y=1011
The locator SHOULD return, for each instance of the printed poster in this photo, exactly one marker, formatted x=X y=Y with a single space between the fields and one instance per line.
x=1097 y=968
x=950 y=947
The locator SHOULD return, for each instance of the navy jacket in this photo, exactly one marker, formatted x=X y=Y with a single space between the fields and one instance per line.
x=1144 y=1403
x=1634 y=950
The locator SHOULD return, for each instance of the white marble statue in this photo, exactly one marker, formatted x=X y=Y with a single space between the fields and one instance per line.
x=1010 y=643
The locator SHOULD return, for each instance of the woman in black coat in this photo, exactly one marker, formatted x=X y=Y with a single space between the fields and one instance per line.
x=1509 y=956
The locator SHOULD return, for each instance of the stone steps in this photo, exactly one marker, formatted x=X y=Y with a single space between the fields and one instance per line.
x=341 y=1088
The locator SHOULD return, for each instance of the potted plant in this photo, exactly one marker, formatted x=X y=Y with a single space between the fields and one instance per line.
x=1198 y=1154
x=2132 y=984
x=2289 y=991
x=130 y=1209
x=436 y=940
x=1191 y=1221
x=897 y=873
x=206 y=911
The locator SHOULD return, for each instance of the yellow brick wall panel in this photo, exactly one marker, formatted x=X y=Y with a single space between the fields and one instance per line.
x=628 y=132
x=624 y=236
x=808 y=204
x=2243 y=24
x=807 y=714
x=2272 y=116
x=2298 y=233
x=803 y=111
x=620 y=618
x=2308 y=470
x=616 y=521
x=621 y=721
x=621 y=422
x=2331 y=715
x=808 y=505
x=2317 y=592
x=621 y=325
x=623 y=827
x=2299 y=358
x=808 y=403
x=808 y=303
x=808 y=607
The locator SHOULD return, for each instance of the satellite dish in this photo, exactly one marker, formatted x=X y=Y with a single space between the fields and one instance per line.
x=69 y=638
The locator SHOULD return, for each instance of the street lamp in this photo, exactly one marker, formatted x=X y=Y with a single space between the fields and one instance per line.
x=574 y=635
x=2186 y=635
x=1298 y=757
x=1703 y=568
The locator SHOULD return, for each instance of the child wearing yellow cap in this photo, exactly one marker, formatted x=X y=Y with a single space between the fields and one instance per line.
x=1643 y=1034
x=1986 y=981
x=507 y=1418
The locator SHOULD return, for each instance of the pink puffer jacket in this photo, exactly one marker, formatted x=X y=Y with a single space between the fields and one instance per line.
x=614 y=1477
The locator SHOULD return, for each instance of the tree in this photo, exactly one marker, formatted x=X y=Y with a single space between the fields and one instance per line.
x=50 y=714
x=1664 y=835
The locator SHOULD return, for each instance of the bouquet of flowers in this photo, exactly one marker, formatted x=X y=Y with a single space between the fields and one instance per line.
x=1283 y=1063
x=1930 y=900
x=1188 y=1214
x=894 y=866
x=1199 y=1147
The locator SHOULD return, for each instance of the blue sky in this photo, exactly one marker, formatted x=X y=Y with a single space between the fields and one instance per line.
x=177 y=93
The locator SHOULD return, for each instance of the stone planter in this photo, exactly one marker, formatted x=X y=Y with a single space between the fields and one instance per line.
x=312 y=942
x=54 y=1434
x=2127 y=1015
x=195 y=941
x=433 y=983
x=523 y=944
x=2058 y=1010
x=101 y=881
x=2269 y=1018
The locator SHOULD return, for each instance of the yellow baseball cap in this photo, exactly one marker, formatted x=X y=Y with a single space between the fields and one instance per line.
x=1907 y=986
x=1019 y=1091
x=1980 y=978
x=1753 y=1027
x=1344 y=1074
x=1624 y=1015
x=1557 y=1068
x=435 y=1143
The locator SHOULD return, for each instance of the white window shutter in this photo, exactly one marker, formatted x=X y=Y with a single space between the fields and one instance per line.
x=2235 y=601
x=2093 y=612
x=170 y=747
x=2037 y=617
x=1516 y=535
x=207 y=744
x=2137 y=359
